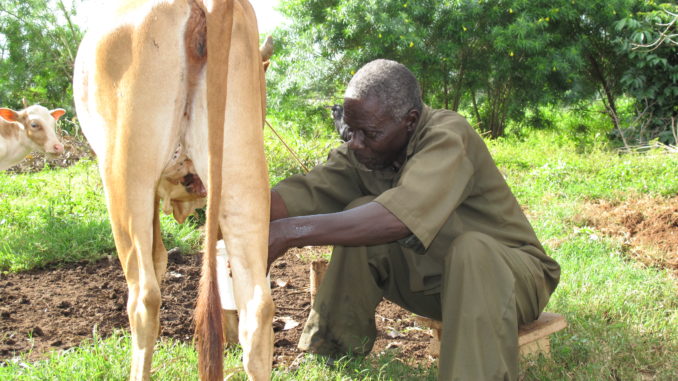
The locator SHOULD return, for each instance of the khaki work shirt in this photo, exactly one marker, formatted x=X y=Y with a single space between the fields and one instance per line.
x=448 y=185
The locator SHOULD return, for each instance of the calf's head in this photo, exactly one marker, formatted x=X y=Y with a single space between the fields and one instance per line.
x=39 y=124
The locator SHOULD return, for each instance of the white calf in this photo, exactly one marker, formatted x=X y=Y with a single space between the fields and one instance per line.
x=31 y=129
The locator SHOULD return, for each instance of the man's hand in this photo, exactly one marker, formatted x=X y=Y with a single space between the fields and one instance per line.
x=368 y=224
x=277 y=244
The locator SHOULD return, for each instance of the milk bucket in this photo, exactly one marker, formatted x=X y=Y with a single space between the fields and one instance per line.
x=224 y=279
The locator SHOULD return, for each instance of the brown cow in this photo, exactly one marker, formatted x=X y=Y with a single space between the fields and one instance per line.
x=31 y=129
x=152 y=77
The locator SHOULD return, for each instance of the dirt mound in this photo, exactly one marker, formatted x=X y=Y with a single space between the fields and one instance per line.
x=647 y=226
x=57 y=308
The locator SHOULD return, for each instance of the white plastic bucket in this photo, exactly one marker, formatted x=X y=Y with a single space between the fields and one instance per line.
x=224 y=279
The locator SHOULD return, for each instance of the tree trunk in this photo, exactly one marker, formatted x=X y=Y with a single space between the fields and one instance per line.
x=476 y=111
x=460 y=81
x=446 y=90
x=611 y=106
x=497 y=110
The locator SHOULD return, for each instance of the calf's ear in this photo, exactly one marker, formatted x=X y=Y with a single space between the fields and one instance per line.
x=57 y=113
x=9 y=114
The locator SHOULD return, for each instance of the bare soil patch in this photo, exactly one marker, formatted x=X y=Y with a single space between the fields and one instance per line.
x=647 y=227
x=57 y=308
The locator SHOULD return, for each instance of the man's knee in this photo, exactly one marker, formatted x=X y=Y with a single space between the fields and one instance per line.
x=469 y=246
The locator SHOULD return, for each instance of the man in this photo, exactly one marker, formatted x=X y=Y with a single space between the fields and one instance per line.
x=419 y=214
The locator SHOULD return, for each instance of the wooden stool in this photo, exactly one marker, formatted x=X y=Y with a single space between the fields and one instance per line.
x=533 y=338
x=318 y=269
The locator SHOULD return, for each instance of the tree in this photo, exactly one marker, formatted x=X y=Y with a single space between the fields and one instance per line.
x=496 y=58
x=650 y=42
x=38 y=44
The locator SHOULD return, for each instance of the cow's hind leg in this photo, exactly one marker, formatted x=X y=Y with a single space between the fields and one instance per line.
x=133 y=104
x=136 y=229
x=159 y=250
x=245 y=205
x=229 y=324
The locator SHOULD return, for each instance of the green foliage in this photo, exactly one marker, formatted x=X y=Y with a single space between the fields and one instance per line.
x=310 y=143
x=463 y=52
x=38 y=44
x=300 y=83
x=500 y=61
x=584 y=124
x=652 y=75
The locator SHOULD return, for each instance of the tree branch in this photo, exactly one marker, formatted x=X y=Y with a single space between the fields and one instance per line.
x=664 y=36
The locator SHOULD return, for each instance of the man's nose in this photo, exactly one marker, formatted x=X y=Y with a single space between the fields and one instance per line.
x=356 y=141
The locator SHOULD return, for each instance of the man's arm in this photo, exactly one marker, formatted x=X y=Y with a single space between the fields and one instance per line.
x=278 y=207
x=368 y=224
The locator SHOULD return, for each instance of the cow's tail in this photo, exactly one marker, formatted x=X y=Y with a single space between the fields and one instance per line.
x=219 y=17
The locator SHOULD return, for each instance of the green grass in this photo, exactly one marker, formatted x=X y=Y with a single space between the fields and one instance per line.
x=623 y=317
x=109 y=359
x=104 y=359
x=545 y=167
x=57 y=216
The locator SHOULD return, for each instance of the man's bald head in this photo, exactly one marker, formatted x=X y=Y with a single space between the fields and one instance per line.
x=391 y=83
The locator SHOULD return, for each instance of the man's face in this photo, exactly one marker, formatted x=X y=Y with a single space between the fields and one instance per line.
x=378 y=140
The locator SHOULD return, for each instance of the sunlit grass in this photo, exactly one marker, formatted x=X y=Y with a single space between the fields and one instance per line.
x=57 y=216
x=109 y=359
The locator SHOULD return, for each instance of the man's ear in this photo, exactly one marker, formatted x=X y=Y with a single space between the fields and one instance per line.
x=412 y=119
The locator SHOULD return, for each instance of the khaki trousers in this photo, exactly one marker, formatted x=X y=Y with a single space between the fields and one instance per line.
x=487 y=290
